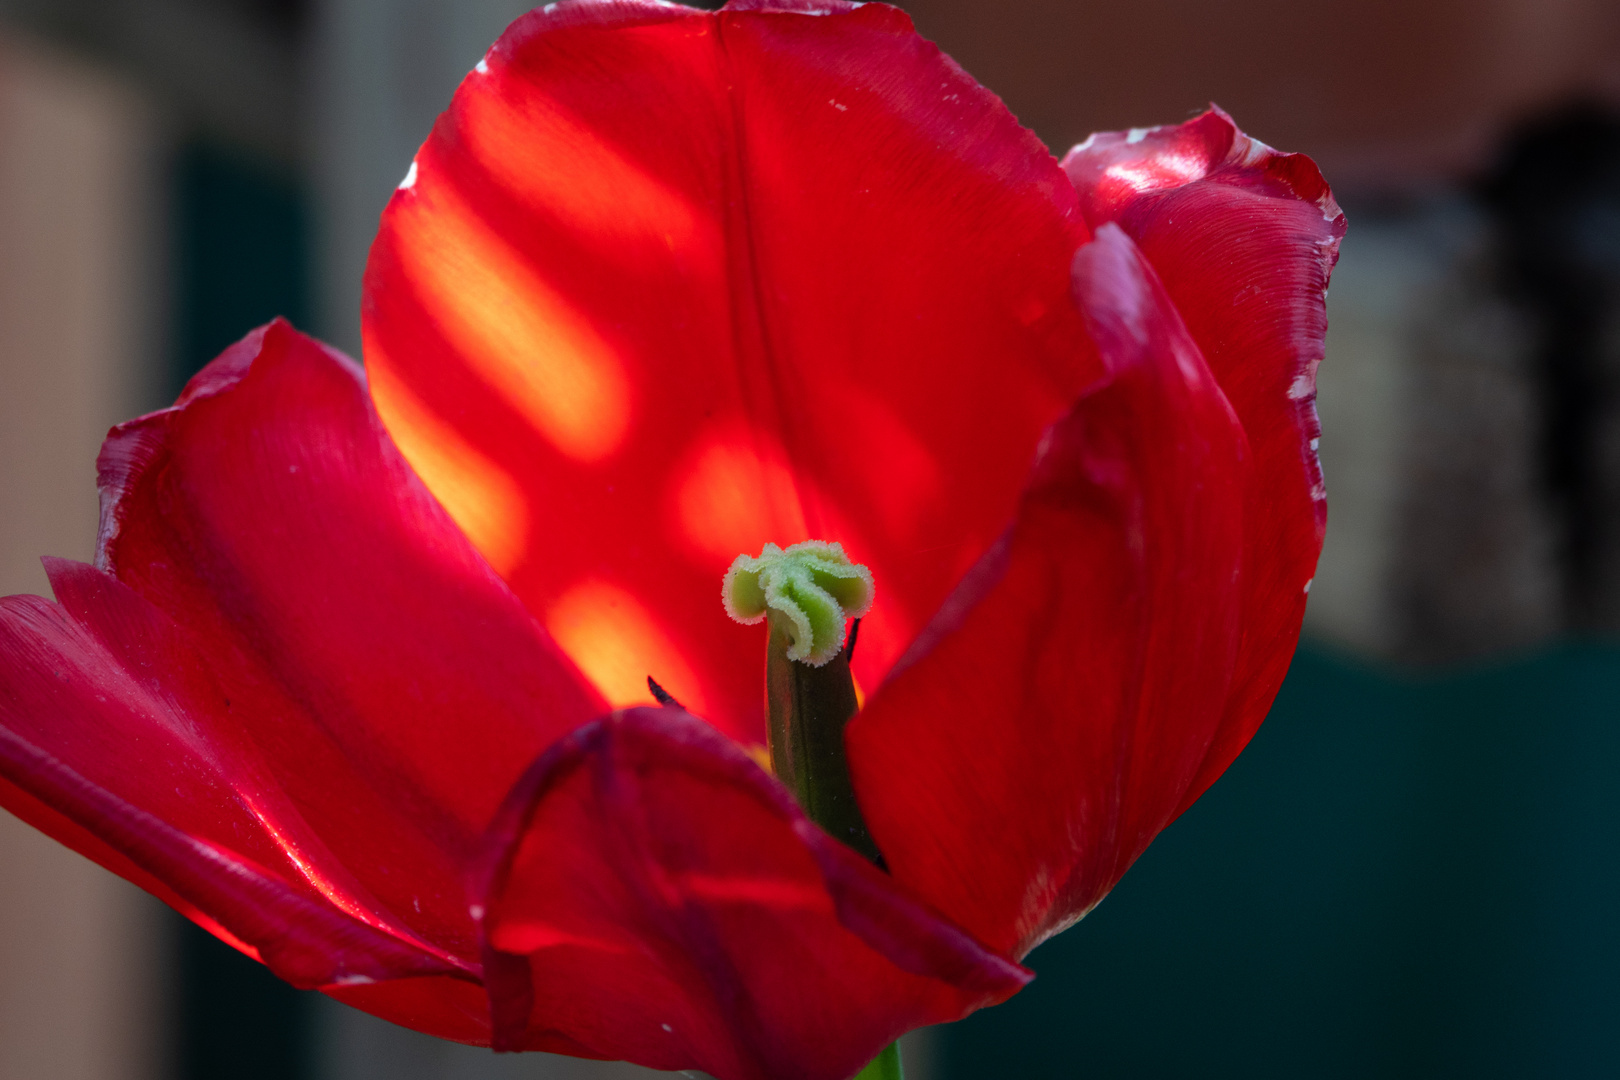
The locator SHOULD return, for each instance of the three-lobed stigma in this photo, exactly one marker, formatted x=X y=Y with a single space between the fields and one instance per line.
x=808 y=589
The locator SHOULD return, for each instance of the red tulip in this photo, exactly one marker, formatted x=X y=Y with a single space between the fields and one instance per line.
x=664 y=285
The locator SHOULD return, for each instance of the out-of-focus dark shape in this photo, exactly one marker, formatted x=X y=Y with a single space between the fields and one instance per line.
x=1438 y=544
x=241 y=257
x=1555 y=196
x=287 y=13
x=236 y=1021
x=1471 y=406
x=242 y=250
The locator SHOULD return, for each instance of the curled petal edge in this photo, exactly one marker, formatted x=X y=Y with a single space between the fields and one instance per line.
x=309 y=944
x=910 y=934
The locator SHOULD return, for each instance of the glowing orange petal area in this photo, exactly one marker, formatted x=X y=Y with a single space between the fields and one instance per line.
x=479 y=495
x=513 y=329
x=618 y=643
x=785 y=272
x=762 y=753
x=554 y=163
x=733 y=499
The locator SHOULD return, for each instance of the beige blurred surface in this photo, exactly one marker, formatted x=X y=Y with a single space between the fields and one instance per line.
x=79 y=963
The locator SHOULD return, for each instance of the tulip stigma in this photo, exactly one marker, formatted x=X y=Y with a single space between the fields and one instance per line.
x=809 y=588
x=805 y=593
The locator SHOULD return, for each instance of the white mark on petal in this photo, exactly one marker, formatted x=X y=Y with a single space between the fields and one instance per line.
x=1257 y=151
x=1314 y=444
x=1135 y=135
x=1308 y=585
x=1302 y=387
x=410 y=178
x=482 y=67
x=667 y=1028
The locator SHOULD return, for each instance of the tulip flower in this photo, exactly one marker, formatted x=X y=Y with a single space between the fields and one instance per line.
x=359 y=679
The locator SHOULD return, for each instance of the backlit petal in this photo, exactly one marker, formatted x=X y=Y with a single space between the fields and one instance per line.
x=366 y=661
x=111 y=725
x=697 y=281
x=1046 y=725
x=654 y=895
x=1244 y=239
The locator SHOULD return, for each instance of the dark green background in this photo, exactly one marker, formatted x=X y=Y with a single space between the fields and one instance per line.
x=241 y=252
x=1399 y=878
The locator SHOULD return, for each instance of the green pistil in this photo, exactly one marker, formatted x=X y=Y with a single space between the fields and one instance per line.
x=886 y=1066
x=810 y=589
x=806 y=592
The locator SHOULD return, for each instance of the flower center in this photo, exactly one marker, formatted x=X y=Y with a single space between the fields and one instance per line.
x=806 y=592
x=808 y=589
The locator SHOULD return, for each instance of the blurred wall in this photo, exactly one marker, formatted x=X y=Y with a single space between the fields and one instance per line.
x=381 y=71
x=1375 y=90
x=81 y=969
x=1441 y=541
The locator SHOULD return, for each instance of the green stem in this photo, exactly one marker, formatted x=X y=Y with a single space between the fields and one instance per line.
x=886 y=1066
x=809 y=707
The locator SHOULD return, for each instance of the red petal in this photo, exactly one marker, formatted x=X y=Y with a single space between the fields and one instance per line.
x=667 y=284
x=1244 y=239
x=383 y=681
x=1046 y=725
x=655 y=896
x=113 y=737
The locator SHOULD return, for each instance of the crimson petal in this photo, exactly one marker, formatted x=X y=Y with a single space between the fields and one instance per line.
x=396 y=688
x=290 y=667
x=654 y=895
x=1046 y=725
x=1244 y=239
x=103 y=733
x=689 y=282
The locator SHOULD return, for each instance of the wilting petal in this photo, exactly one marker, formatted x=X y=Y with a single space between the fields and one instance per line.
x=1244 y=239
x=695 y=281
x=1047 y=724
x=365 y=662
x=655 y=896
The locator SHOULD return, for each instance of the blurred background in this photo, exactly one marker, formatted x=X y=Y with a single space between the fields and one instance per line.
x=1411 y=872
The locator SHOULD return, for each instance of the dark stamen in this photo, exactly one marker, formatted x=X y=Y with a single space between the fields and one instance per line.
x=665 y=698
x=849 y=646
